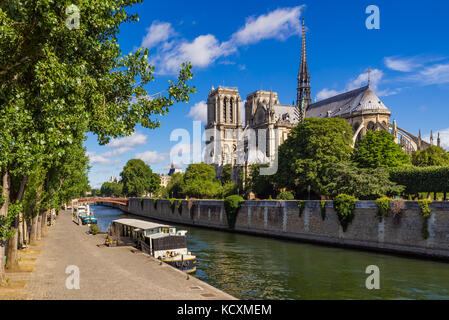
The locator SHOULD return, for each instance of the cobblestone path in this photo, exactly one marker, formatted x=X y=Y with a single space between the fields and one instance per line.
x=105 y=273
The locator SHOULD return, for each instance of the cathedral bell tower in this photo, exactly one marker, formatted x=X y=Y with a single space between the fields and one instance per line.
x=303 y=92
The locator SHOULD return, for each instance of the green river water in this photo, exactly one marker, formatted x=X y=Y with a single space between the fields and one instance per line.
x=250 y=267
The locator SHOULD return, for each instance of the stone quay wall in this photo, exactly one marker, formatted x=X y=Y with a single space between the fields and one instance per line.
x=401 y=234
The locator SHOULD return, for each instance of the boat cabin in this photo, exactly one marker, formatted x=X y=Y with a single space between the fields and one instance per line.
x=156 y=239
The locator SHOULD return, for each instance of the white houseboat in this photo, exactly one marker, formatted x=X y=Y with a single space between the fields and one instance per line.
x=161 y=241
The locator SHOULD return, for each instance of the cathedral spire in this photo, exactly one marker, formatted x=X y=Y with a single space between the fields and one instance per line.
x=303 y=92
x=439 y=140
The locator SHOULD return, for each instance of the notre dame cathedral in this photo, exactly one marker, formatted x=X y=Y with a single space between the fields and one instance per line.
x=227 y=136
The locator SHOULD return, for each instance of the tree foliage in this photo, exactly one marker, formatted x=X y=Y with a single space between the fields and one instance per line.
x=378 y=149
x=138 y=179
x=426 y=179
x=112 y=189
x=312 y=147
x=432 y=156
x=367 y=184
x=200 y=182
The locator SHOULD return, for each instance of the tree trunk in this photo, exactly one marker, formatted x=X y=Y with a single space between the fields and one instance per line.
x=12 y=261
x=33 y=231
x=39 y=227
x=24 y=232
x=21 y=238
x=445 y=196
x=6 y=183
x=44 y=222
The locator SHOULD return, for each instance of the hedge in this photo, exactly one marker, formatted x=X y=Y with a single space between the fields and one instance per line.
x=421 y=179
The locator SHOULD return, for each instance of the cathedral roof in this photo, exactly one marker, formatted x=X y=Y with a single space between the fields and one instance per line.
x=362 y=99
x=286 y=113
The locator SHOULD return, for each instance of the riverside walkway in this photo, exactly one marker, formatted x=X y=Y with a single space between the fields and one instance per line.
x=106 y=273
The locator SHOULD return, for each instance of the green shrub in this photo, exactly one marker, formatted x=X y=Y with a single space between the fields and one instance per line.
x=180 y=206
x=232 y=205
x=301 y=206
x=286 y=195
x=424 y=206
x=383 y=205
x=94 y=229
x=323 y=209
x=417 y=179
x=344 y=206
x=172 y=204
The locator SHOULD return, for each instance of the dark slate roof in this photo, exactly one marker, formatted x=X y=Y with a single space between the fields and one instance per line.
x=356 y=100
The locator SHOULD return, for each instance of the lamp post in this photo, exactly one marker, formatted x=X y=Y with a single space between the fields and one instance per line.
x=308 y=190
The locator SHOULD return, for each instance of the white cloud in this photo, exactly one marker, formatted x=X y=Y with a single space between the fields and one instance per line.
x=96 y=158
x=117 y=152
x=204 y=50
x=444 y=136
x=279 y=24
x=199 y=112
x=402 y=64
x=376 y=76
x=436 y=74
x=158 y=32
x=150 y=156
x=326 y=93
x=128 y=142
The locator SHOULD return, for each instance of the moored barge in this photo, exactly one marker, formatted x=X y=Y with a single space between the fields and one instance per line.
x=161 y=241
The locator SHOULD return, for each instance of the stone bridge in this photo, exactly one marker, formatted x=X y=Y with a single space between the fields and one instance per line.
x=122 y=201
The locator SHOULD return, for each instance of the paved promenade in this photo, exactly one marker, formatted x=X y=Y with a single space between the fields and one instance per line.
x=105 y=273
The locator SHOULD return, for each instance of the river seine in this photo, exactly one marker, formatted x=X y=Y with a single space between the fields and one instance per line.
x=250 y=267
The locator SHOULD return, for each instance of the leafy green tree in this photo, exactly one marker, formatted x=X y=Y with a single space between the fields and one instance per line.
x=262 y=186
x=138 y=179
x=56 y=83
x=175 y=186
x=432 y=156
x=378 y=149
x=200 y=182
x=362 y=183
x=311 y=147
x=226 y=174
x=111 y=189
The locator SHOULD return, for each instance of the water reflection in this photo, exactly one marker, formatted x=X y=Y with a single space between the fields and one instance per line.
x=260 y=268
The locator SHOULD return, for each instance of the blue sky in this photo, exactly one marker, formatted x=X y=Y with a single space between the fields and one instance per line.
x=255 y=45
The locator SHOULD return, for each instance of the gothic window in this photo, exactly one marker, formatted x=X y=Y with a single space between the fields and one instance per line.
x=231 y=105
x=267 y=146
x=225 y=107
x=371 y=126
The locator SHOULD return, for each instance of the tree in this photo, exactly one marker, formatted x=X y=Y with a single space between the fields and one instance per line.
x=310 y=148
x=262 y=186
x=138 y=179
x=226 y=174
x=432 y=156
x=56 y=83
x=378 y=149
x=362 y=183
x=200 y=182
x=175 y=187
x=111 y=189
